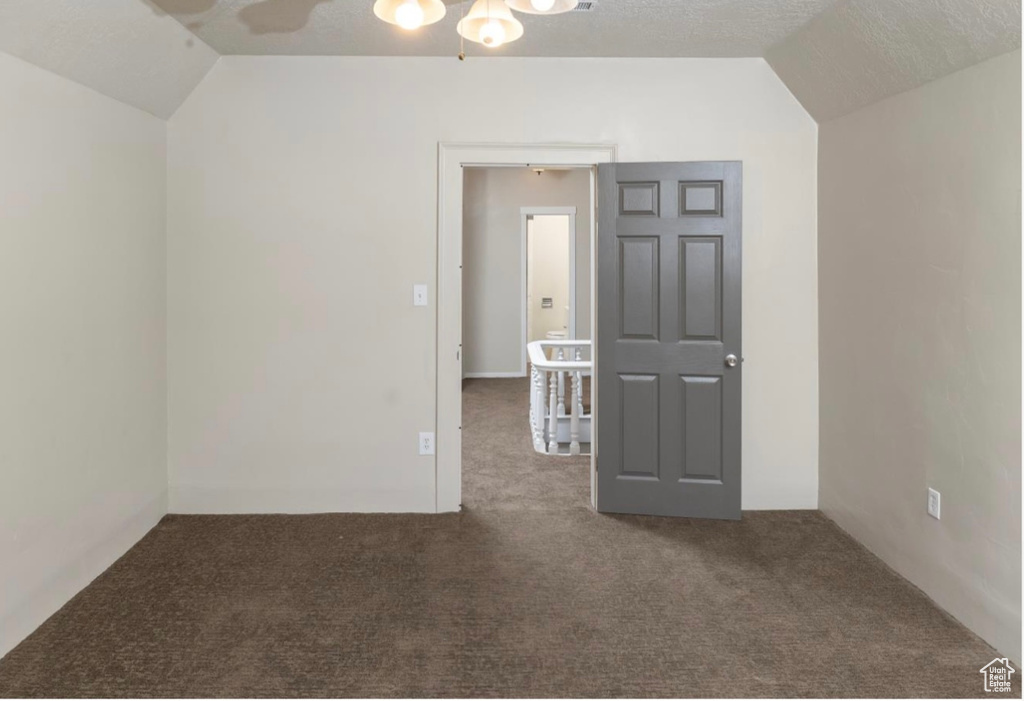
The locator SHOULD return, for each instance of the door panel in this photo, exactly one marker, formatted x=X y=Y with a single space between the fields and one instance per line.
x=638 y=199
x=668 y=301
x=639 y=396
x=701 y=289
x=702 y=428
x=638 y=286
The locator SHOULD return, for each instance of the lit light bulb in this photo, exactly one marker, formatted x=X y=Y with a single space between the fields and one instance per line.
x=409 y=15
x=542 y=5
x=492 y=34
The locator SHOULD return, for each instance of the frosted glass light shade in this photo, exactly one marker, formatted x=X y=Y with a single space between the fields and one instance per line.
x=387 y=10
x=490 y=23
x=557 y=8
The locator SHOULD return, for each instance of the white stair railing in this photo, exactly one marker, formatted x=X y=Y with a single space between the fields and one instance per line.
x=556 y=432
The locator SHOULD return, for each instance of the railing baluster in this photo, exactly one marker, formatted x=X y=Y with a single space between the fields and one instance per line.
x=561 y=384
x=579 y=376
x=574 y=422
x=536 y=409
x=541 y=417
x=553 y=416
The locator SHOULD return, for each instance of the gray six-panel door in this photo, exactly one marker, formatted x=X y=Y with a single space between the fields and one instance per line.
x=668 y=338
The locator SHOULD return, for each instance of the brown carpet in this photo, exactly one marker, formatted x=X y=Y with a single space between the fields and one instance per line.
x=525 y=593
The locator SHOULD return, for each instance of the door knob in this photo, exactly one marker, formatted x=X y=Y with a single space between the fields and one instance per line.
x=730 y=360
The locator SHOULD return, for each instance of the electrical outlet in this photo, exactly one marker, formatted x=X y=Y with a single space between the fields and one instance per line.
x=426 y=443
x=934 y=503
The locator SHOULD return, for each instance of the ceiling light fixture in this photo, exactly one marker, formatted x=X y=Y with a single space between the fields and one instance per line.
x=409 y=14
x=490 y=23
x=543 y=7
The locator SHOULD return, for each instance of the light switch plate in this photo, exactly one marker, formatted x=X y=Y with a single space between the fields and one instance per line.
x=934 y=503
x=419 y=295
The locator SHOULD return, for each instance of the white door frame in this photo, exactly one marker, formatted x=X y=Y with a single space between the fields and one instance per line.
x=451 y=157
x=524 y=214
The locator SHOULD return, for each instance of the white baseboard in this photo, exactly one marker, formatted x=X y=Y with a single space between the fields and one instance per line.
x=492 y=375
x=74 y=575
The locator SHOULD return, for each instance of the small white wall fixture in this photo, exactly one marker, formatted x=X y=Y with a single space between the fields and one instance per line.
x=452 y=157
x=526 y=213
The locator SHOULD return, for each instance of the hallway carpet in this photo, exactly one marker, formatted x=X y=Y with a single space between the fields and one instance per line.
x=526 y=593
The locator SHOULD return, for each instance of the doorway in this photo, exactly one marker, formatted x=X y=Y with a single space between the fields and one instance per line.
x=683 y=450
x=549 y=238
x=453 y=159
x=520 y=272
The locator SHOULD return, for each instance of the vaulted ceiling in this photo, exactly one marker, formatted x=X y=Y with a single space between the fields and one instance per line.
x=612 y=28
x=860 y=51
x=126 y=49
x=835 y=55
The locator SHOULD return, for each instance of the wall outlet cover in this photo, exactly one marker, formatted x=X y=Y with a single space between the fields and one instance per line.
x=426 y=443
x=934 y=503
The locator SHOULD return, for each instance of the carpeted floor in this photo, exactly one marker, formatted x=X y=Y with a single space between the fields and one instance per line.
x=526 y=593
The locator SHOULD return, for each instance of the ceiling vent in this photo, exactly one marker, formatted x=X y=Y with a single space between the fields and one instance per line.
x=585 y=6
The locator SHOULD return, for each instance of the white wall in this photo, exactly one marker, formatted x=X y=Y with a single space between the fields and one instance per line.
x=302 y=209
x=920 y=264
x=492 y=258
x=82 y=344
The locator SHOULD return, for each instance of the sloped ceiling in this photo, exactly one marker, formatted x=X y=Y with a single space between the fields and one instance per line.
x=834 y=55
x=860 y=51
x=705 y=28
x=126 y=49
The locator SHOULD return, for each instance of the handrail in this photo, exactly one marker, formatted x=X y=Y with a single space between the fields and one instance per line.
x=539 y=359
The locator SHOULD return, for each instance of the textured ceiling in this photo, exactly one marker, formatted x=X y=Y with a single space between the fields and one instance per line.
x=860 y=51
x=614 y=28
x=835 y=55
x=125 y=49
